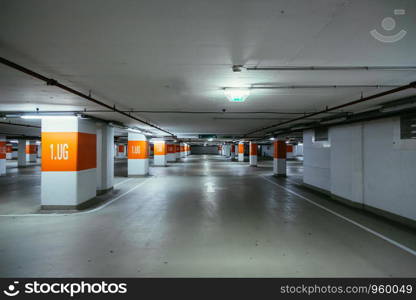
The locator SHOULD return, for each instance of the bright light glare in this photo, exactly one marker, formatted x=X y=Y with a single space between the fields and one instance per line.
x=45 y=117
x=272 y=139
x=210 y=139
x=236 y=94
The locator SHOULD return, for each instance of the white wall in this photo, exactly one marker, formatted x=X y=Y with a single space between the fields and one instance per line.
x=316 y=162
x=366 y=163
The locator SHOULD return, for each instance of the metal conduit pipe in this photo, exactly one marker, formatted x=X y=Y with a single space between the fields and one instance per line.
x=364 y=99
x=327 y=68
x=51 y=81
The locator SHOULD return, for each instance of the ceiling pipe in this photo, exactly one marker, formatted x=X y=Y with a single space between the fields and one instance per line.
x=238 y=68
x=361 y=100
x=22 y=125
x=320 y=86
x=53 y=82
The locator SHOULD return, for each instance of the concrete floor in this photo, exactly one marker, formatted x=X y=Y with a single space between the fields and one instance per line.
x=207 y=216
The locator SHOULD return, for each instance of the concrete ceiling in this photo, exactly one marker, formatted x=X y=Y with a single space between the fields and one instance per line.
x=177 y=56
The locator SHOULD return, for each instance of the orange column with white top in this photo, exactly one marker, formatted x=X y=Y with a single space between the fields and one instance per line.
x=31 y=151
x=160 y=158
x=253 y=154
x=69 y=162
x=2 y=155
x=137 y=154
x=240 y=151
x=279 y=158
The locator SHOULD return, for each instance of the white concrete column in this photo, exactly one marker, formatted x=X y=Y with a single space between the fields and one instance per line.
x=232 y=151
x=2 y=155
x=279 y=158
x=253 y=154
x=69 y=162
x=138 y=154
x=240 y=151
x=160 y=158
x=105 y=158
x=39 y=154
x=170 y=149
x=31 y=151
x=21 y=154
x=9 y=151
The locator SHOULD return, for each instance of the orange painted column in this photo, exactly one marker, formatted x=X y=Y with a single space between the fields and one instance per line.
x=241 y=151
x=279 y=158
x=171 y=151
x=138 y=154
x=160 y=158
x=232 y=150
x=9 y=151
x=253 y=154
x=182 y=149
x=177 y=151
x=69 y=162
x=2 y=155
x=31 y=151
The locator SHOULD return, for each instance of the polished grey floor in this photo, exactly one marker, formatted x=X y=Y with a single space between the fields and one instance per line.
x=207 y=216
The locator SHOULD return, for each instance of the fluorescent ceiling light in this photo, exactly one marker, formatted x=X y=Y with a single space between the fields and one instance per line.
x=45 y=117
x=272 y=138
x=398 y=107
x=210 y=139
x=236 y=94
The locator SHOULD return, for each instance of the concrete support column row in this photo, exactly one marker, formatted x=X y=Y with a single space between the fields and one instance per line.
x=279 y=158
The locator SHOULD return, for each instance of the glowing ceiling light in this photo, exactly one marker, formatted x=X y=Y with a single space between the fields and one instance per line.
x=46 y=117
x=236 y=94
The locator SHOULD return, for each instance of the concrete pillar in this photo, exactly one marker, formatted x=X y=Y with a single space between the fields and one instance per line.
x=9 y=151
x=232 y=151
x=69 y=163
x=138 y=154
x=21 y=154
x=177 y=151
x=253 y=154
x=2 y=155
x=289 y=151
x=31 y=151
x=188 y=150
x=121 y=151
x=171 y=154
x=279 y=158
x=160 y=158
x=182 y=149
x=240 y=151
x=105 y=158
x=39 y=154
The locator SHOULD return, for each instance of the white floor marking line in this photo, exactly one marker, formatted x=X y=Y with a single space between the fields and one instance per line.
x=81 y=212
x=121 y=182
x=393 y=242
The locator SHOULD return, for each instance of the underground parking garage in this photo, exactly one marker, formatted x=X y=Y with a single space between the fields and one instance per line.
x=207 y=139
